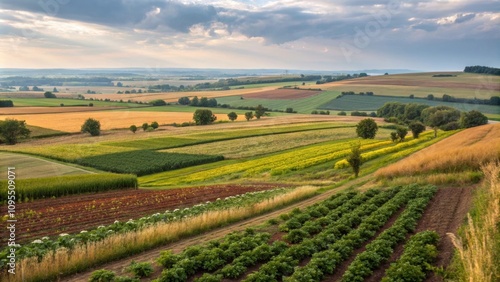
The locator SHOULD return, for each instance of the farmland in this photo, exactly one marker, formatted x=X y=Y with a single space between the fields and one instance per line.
x=124 y=195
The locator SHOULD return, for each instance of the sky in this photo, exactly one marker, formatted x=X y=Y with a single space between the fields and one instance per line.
x=248 y=34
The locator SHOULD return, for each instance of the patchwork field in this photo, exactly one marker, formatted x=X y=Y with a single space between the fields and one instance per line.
x=464 y=85
x=372 y=103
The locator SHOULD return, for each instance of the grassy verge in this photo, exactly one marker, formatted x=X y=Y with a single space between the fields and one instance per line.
x=478 y=246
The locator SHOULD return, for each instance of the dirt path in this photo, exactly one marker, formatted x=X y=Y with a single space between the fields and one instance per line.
x=445 y=213
x=178 y=246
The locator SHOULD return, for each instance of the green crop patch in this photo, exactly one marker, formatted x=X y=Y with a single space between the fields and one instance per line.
x=143 y=162
x=48 y=187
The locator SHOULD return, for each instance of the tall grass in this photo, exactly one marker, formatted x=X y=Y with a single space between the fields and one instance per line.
x=464 y=151
x=479 y=247
x=64 y=261
x=47 y=187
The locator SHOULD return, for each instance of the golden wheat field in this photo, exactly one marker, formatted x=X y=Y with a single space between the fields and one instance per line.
x=72 y=122
x=465 y=150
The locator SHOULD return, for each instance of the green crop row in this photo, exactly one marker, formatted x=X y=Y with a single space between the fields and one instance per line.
x=380 y=249
x=413 y=265
x=47 y=187
x=145 y=162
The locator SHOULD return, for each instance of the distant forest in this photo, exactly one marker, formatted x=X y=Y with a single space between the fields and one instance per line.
x=482 y=69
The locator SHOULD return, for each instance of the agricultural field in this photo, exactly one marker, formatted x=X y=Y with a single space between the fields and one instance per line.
x=464 y=85
x=372 y=103
x=31 y=167
x=56 y=102
x=272 y=199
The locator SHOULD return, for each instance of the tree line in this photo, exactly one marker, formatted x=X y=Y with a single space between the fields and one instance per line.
x=482 y=69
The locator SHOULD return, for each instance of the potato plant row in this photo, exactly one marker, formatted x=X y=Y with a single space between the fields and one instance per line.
x=45 y=246
x=413 y=265
x=380 y=250
x=328 y=232
x=143 y=162
x=48 y=187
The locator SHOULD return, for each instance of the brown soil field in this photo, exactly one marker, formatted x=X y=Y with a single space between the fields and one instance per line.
x=285 y=94
x=52 y=110
x=72 y=122
x=72 y=214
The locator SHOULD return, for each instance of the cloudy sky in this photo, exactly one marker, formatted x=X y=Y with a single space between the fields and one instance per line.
x=285 y=34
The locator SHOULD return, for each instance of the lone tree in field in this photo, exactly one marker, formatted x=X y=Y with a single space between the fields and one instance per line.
x=133 y=128
x=232 y=116
x=249 y=116
x=203 y=117
x=12 y=129
x=472 y=118
x=260 y=111
x=402 y=132
x=367 y=128
x=155 y=125
x=355 y=159
x=416 y=128
x=92 y=126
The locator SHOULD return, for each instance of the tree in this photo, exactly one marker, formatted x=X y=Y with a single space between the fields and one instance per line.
x=49 y=94
x=355 y=159
x=194 y=101
x=430 y=97
x=155 y=125
x=249 y=115
x=12 y=129
x=145 y=126
x=416 y=128
x=472 y=118
x=119 y=84
x=394 y=136
x=367 y=128
x=212 y=102
x=91 y=104
x=183 y=101
x=259 y=111
x=133 y=128
x=92 y=126
x=439 y=117
x=203 y=117
x=232 y=116
x=289 y=110
x=402 y=132
x=55 y=90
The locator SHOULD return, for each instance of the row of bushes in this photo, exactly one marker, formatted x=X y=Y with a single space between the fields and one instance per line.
x=143 y=162
x=47 y=187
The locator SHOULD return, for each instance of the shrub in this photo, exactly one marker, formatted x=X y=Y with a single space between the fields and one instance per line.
x=133 y=128
x=158 y=102
x=145 y=126
x=402 y=132
x=342 y=113
x=49 y=94
x=140 y=269
x=355 y=159
x=367 y=128
x=394 y=136
x=92 y=126
x=6 y=103
x=91 y=104
x=454 y=125
x=154 y=125
x=102 y=276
